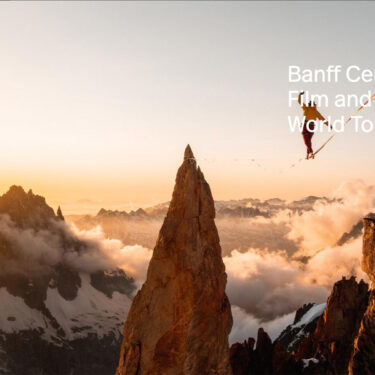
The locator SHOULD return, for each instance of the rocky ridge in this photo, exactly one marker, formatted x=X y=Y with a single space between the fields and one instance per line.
x=54 y=315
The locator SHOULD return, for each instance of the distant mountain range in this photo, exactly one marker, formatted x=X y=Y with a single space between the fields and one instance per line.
x=141 y=227
x=248 y=207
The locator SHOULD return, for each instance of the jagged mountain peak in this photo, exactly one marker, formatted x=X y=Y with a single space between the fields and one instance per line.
x=188 y=153
x=17 y=192
x=180 y=320
x=59 y=214
x=53 y=304
x=26 y=209
x=192 y=195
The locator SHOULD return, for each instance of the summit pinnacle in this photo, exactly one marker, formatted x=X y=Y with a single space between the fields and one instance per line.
x=180 y=320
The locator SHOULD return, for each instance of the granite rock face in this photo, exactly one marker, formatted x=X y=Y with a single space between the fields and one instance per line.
x=180 y=320
x=362 y=360
x=338 y=326
x=368 y=248
x=322 y=345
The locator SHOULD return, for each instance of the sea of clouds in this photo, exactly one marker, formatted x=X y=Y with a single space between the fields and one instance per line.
x=292 y=258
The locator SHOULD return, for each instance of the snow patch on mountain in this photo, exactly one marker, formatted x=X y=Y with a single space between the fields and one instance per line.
x=3 y=362
x=315 y=312
x=304 y=323
x=306 y=362
x=310 y=315
x=90 y=312
x=16 y=316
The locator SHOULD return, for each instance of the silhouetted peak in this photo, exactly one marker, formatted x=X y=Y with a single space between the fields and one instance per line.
x=26 y=209
x=59 y=214
x=15 y=191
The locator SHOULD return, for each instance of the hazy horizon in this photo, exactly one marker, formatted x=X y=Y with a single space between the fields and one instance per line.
x=87 y=206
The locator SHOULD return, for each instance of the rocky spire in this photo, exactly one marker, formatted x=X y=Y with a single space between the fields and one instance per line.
x=368 y=248
x=59 y=214
x=362 y=360
x=188 y=153
x=180 y=320
x=338 y=326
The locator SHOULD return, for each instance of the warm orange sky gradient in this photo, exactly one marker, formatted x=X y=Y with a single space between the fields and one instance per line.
x=99 y=99
x=79 y=193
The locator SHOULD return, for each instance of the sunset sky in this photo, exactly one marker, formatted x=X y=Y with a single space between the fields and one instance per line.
x=99 y=99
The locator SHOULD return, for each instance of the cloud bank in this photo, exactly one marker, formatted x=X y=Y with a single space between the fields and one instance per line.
x=274 y=265
x=324 y=225
x=267 y=280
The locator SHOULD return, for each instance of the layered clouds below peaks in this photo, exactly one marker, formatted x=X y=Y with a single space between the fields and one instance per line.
x=325 y=224
x=274 y=264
